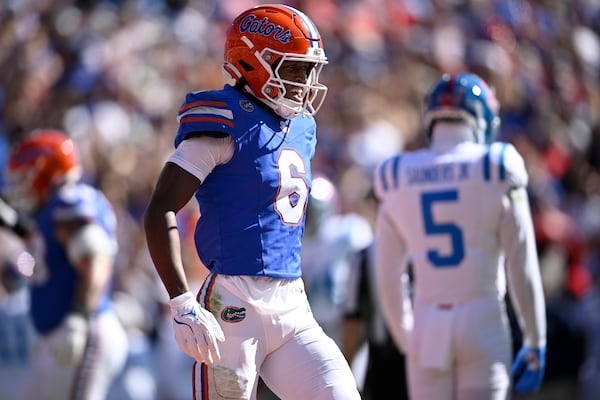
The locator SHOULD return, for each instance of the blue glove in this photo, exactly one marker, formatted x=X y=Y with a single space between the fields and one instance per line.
x=528 y=369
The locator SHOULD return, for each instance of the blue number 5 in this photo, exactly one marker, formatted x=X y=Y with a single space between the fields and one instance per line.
x=432 y=228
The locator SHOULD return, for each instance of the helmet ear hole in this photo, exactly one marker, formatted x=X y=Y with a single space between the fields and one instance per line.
x=246 y=66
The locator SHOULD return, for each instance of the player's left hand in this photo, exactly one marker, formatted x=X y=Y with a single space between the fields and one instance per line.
x=197 y=331
x=67 y=342
x=528 y=369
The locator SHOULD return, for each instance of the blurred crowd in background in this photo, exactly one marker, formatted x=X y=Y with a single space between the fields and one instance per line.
x=112 y=74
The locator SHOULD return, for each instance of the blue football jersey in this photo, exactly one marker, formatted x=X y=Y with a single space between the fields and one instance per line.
x=252 y=208
x=52 y=295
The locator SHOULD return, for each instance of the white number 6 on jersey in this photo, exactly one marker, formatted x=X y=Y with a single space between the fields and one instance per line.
x=292 y=195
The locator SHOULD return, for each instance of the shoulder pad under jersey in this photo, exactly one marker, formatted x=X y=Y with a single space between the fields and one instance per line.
x=207 y=111
x=386 y=176
x=502 y=162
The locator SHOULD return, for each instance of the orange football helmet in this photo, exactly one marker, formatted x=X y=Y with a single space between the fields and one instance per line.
x=259 y=40
x=44 y=160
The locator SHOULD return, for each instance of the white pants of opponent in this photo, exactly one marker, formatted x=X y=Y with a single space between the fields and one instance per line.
x=460 y=352
x=103 y=358
x=269 y=331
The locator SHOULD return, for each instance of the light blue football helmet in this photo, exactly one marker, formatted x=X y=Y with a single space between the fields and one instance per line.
x=464 y=96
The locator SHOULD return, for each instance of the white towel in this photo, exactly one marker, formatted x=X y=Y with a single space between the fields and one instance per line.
x=436 y=340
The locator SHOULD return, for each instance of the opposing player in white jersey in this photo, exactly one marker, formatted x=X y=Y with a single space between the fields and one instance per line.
x=459 y=211
x=245 y=153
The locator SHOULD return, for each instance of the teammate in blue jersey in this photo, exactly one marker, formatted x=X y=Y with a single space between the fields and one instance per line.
x=244 y=152
x=459 y=212
x=82 y=345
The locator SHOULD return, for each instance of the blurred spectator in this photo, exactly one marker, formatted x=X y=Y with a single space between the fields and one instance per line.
x=331 y=247
x=384 y=370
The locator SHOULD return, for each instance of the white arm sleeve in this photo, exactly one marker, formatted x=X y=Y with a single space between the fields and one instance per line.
x=391 y=280
x=90 y=239
x=522 y=267
x=199 y=155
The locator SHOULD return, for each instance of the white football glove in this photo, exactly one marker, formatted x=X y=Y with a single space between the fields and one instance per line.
x=67 y=341
x=196 y=329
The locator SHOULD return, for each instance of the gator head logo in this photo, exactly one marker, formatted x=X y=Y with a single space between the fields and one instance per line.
x=246 y=105
x=233 y=314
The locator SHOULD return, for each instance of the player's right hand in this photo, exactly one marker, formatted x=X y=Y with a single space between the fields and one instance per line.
x=67 y=342
x=528 y=369
x=197 y=331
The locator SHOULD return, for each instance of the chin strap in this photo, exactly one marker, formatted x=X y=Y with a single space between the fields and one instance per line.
x=285 y=112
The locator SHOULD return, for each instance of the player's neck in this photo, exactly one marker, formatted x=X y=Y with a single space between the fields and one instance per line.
x=448 y=134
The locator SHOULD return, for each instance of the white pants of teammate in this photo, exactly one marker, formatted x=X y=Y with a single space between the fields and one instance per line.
x=17 y=338
x=270 y=331
x=90 y=379
x=460 y=352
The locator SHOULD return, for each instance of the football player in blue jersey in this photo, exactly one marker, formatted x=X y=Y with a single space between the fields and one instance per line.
x=82 y=345
x=244 y=152
x=459 y=212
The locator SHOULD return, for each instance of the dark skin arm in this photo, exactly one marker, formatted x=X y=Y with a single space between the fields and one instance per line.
x=175 y=187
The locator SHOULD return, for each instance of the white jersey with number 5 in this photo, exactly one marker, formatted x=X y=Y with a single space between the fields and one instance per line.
x=458 y=211
x=448 y=208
